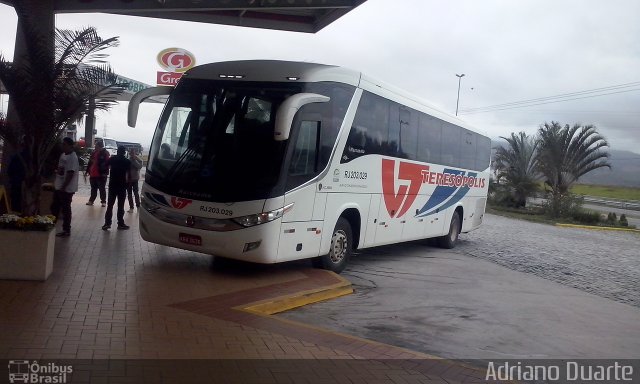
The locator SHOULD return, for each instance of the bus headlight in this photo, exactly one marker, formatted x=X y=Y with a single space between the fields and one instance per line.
x=264 y=217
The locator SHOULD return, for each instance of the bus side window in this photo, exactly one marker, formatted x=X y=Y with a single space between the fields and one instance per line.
x=305 y=153
x=451 y=144
x=483 y=153
x=468 y=150
x=378 y=128
x=429 y=138
x=391 y=143
x=408 y=134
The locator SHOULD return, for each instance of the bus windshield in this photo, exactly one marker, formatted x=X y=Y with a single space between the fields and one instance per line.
x=215 y=141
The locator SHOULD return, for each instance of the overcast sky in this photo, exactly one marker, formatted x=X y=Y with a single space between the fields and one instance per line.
x=508 y=50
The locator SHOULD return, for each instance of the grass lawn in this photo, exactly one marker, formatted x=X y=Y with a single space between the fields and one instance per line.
x=506 y=212
x=607 y=191
x=538 y=217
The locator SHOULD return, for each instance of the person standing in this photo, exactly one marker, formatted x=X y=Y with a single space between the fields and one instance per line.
x=65 y=185
x=120 y=167
x=134 y=176
x=98 y=170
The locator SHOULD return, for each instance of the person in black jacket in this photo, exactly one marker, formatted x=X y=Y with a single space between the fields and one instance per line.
x=118 y=179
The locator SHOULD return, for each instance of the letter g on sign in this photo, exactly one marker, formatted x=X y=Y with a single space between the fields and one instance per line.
x=176 y=60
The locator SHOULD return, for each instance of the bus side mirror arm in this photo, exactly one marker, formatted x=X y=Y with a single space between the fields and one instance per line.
x=139 y=97
x=289 y=108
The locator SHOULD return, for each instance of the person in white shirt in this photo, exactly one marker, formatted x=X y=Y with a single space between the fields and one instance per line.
x=65 y=184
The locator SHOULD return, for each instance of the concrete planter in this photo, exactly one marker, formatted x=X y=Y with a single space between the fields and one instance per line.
x=26 y=255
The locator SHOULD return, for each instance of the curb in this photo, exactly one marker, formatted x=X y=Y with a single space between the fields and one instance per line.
x=299 y=299
x=597 y=227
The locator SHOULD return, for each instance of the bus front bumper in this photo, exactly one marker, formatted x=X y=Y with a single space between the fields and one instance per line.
x=257 y=244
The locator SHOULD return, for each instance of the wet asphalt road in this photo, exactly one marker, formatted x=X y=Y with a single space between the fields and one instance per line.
x=512 y=289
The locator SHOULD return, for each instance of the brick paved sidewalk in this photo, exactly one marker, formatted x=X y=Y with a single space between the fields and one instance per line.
x=114 y=296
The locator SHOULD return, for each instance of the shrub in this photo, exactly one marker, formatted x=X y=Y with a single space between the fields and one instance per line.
x=586 y=217
x=623 y=220
x=562 y=205
x=500 y=196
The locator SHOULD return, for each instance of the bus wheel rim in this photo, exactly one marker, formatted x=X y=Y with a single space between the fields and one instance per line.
x=454 y=231
x=338 y=247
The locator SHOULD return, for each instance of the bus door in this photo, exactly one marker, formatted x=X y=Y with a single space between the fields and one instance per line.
x=301 y=226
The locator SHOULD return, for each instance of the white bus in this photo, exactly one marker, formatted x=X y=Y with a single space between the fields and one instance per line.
x=271 y=161
x=111 y=145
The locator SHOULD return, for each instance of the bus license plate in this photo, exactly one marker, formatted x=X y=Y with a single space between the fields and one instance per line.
x=190 y=239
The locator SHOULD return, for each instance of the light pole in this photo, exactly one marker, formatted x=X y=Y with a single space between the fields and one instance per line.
x=458 y=100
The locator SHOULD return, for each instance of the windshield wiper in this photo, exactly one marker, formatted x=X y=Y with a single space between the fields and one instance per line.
x=181 y=162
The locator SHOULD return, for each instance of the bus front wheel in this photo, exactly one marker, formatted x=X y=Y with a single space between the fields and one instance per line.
x=449 y=240
x=340 y=251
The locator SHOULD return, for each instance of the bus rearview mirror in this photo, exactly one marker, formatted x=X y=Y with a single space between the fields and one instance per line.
x=289 y=108
x=139 y=97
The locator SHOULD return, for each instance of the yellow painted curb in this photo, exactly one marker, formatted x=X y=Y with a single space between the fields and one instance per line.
x=597 y=227
x=280 y=304
x=299 y=299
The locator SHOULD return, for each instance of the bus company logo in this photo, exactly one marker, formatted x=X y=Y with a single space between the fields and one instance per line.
x=399 y=203
x=176 y=59
x=25 y=371
x=451 y=186
x=176 y=202
x=179 y=202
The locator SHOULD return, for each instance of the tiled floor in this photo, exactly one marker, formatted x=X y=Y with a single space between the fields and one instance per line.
x=114 y=296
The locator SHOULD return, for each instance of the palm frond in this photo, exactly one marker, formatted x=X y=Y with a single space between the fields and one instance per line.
x=567 y=153
x=515 y=165
x=49 y=90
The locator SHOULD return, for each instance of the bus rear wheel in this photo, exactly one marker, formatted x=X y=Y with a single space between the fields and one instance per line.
x=340 y=251
x=449 y=240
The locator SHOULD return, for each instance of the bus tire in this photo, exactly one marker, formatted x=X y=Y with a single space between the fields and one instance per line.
x=340 y=251
x=449 y=240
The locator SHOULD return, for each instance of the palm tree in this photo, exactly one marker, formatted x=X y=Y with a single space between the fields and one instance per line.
x=516 y=166
x=46 y=96
x=566 y=153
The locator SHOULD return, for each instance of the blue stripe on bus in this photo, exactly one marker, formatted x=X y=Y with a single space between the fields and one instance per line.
x=440 y=195
x=458 y=196
x=445 y=201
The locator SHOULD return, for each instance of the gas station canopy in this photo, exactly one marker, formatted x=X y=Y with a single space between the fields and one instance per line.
x=289 y=15
x=308 y=16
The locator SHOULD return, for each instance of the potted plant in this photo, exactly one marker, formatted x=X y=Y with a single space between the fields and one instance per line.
x=27 y=246
x=46 y=93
